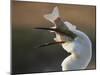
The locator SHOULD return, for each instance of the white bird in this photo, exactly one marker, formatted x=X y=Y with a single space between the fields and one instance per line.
x=72 y=40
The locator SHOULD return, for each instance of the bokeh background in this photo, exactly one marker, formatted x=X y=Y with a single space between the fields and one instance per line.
x=27 y=15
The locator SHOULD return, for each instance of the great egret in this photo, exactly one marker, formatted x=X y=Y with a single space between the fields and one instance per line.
x=72 y=40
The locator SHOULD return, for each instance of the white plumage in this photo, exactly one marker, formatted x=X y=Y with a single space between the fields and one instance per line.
x=80 y=48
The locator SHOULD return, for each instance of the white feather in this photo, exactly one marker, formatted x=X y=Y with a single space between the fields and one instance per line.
x=70 y=26
x=81 y=52
x=80 y=48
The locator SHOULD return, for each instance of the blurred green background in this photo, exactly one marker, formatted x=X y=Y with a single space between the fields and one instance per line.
x=27 y=15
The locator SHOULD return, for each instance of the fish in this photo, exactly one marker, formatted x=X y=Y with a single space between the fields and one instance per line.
x=60 y=28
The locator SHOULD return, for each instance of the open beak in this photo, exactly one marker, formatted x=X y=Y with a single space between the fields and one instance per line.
x=50 y=43
x=60 y=31
x=50 y=29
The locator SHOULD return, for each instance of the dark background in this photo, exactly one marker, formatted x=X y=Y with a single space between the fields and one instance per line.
x=27 y=15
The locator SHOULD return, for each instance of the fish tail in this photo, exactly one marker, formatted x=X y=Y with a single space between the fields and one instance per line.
x=52 y=16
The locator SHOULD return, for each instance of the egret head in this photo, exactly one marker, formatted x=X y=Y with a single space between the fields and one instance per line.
x=63 y=33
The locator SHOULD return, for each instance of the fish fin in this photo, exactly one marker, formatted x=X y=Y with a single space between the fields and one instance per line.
x=52 y=16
